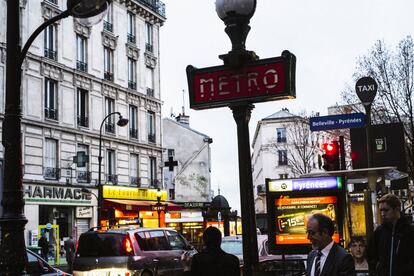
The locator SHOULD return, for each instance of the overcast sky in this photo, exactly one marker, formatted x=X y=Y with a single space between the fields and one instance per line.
x=327 y=37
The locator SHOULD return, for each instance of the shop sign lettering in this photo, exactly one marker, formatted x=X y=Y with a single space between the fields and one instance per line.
x=56 y=194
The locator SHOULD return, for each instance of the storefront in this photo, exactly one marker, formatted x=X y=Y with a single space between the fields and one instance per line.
x=57 y=212
x=189 y=222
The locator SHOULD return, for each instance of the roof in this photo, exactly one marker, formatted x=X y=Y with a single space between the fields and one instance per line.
x=219 y=202
x=281 y=114
x=186 y=127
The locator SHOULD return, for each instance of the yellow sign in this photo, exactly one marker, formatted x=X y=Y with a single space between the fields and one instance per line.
x=132 y=193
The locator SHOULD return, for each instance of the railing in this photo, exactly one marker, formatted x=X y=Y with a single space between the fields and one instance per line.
x=136 y=181
x=150 y=92
x=51 y=173
x=133 y=133
x=151 y=137
x=83 y=177
x=282 y=162
x=49 y=53
x=108 y=76
x=281 y=139
x=82 y=66
x=132 y=85
x=107 y=26
x=154 y=5
x=131 y=38
x=112 y=178
x=51 y=113
x=83 y=121
x=149 y=47
x=110 y=127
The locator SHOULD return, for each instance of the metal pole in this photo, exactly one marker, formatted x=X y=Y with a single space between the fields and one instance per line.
x=342 y=151
x=372 y=178
x=241 y=114
x=12 y=248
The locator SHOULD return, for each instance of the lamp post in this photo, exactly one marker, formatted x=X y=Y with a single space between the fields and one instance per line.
x=121 y=122
x=12 y=248
x=236 y=15
x=159 y=204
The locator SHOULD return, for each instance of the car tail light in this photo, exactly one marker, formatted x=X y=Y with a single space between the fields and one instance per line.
x=127 y=244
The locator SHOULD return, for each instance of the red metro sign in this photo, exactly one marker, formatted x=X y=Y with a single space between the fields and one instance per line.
x=259 y=81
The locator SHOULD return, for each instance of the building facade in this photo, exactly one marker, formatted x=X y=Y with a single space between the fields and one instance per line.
x=73 y=77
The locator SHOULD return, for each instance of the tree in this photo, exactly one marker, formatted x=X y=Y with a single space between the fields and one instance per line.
x=394 y=73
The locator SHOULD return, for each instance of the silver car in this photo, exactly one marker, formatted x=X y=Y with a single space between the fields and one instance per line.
x=36 y=266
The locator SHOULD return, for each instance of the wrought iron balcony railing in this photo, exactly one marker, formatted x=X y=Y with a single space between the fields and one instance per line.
x=83 y=177
x=149 y=47
x=81 y=66
x=132 y=85
x=281 y=139
x=49 y=53
x=154 y=5
x=151 y=137
x=131 y=38
x=109 y=76
x=110 y=127
x=133 y=133
x=282 y=162
x=83 y=121
x=108 y=26
x=135 y=181
x=150 y=92
x=51 y=173
x=51 y=113
x=112 y=178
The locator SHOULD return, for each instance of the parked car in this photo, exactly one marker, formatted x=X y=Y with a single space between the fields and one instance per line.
x=294 y=264
x=133 y=251
x=36 y=266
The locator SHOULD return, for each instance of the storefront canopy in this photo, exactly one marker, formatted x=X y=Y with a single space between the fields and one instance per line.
x=134 y=205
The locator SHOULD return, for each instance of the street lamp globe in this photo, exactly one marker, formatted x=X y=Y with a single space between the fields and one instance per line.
x=228 y=9
x=122 y=121
x=88 y=12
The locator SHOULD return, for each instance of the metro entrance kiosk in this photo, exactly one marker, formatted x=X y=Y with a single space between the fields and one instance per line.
x=349 y=197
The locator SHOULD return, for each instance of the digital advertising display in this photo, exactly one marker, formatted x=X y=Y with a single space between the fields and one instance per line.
x=290 y=204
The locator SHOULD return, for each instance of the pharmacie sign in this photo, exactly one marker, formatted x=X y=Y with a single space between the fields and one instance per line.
x=56 y=194
x=258 y=81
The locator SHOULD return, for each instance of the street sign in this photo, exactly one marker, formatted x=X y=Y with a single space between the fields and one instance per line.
x=366 y=89
x=159 y=207
x=258 y=81
x=352 y=120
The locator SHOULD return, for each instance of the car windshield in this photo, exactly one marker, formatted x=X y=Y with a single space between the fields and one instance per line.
x=95 y=244
x=234 y=247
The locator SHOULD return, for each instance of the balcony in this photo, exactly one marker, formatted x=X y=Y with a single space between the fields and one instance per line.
x=133 y=133
x=83 y=177
x=51 y=173
x=282 y=162
x=154 y=5
x=112 y=178
x=136 y=181
x=49 y=53
x=108 y=76
x=150 y=92
x=83 y=121
x=110 y=127
x=131 y=38
x=51 y=113
x=151 y=137
x=149 y=47
x=132 y=85
x=81 y=66
x=108 y=26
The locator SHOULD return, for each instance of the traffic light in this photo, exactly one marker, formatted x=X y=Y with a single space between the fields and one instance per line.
x=331 y=156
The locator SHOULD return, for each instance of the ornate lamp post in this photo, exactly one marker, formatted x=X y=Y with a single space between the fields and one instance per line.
x=236 y=15
x=121 y=122
x=12 y=248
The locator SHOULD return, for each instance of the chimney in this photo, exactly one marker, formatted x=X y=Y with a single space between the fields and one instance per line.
x=183 y=119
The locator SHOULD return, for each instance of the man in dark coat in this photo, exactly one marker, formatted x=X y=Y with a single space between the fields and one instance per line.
x=212 y=260
x=391 y=247
x=326 y=258
x=70 y=249
x=44 y=246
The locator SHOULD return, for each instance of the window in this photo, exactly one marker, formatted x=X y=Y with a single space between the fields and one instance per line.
x=157 y=241
x=132 y=74
x=82 y=173
x=107 y=23
x=51 y=170
x=110 y=167
x=133 y=122
x=49 y=41
x=283 y=176
x=151 y=126
x=110 y=121
x=150 y=82
x=134 y=169
x=108 y=64
x=131 y=27
x=81 y=58
x=176 y=242
x=282 y=157
x=50 y=99
x=149 y=37
x=153 y=171
x=82 y=107
x=171 y=152
x=281 y=135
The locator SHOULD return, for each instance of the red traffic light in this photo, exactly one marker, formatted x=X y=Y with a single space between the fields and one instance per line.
x=330 y=148
x=331 y=156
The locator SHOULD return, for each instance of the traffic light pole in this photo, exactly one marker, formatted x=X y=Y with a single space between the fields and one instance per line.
x=342 y=152
x=370 y=192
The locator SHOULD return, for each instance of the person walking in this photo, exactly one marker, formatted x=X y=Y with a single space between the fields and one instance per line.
x=326 y=258
x=44 y=246
x=70 y=249
x=212 y=260
x=391 y=247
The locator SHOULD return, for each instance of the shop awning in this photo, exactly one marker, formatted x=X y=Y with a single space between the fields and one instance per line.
x=137 y=205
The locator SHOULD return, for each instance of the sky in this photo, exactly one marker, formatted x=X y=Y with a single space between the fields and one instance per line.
x=326 y=36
